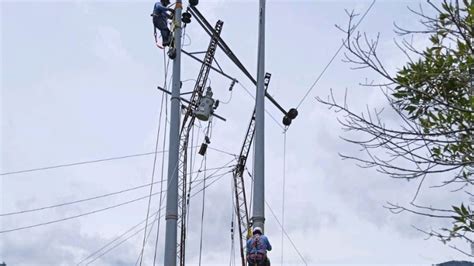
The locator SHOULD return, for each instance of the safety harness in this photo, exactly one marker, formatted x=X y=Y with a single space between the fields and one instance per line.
x=256 y=257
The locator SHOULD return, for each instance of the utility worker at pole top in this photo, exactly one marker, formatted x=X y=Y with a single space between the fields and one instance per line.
x=257 y=247
x=160 y=19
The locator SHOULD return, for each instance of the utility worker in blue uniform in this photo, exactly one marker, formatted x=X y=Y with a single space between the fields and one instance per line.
x=160 y=20
x=257 y=247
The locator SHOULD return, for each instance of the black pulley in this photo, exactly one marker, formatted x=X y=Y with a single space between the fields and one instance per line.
x=193 y=2
x=292 y=113
x=186 y=17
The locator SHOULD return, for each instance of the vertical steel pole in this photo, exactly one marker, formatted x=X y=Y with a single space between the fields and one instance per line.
x=258 y=218
x=173 y=158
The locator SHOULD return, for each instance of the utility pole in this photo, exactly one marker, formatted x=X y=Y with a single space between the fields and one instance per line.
x=173 y=158
x=258 y=216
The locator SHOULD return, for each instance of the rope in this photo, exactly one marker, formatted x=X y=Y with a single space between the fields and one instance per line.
x=148 y=235
x=202 y=210
x=335 y=55
x=162 y=173
x=154 y=161
x=152 y=177
x=283 y=195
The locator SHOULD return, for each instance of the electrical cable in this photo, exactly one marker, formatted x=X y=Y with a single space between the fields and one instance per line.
x=230 y=98
x=266 y=111
x=116 y=245
x=140 y=256
x=154 y=165
x=335 y=55
x=222 y=151
x=197 y=192
x=74 y=216
x=93 y=161
x=286 y=234
x=278 y=221
x=94 y=197
x=80 y=215
x=79 y=163
x=115 y=239
x=77 y=201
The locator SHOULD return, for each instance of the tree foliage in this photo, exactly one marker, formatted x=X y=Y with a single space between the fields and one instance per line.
x=432 y=94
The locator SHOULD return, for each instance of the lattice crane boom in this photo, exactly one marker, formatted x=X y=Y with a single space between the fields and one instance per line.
x=188 y=123
x=241 y=208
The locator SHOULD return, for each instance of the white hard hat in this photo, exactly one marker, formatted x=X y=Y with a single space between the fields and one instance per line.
x=257 y=229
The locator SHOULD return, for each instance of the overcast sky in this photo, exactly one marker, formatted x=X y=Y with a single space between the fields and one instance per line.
x=78 y=83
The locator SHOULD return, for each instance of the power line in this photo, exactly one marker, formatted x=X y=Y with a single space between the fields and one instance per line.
x=74 y=216
x=94 y=211
x=78 y=201
x=218 y=177
x=95 y=197
x=153 y=174
x=115 y=239
x=286 y=234
x=147 y=236
x=266 y=111
x=135 y=226
x=281 y=226
x=222 y=151
x=334 y=56
x=93 y=161
x=79 y=163
x=116 y=245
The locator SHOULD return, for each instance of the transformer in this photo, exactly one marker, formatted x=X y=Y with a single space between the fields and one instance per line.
x=205 y=107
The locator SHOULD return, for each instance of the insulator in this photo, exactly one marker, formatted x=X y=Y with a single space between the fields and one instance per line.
x=286 y=121
x=216 y=104
x=193 y=2
x=207 y=140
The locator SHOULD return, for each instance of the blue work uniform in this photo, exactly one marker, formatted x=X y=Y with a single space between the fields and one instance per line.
x=257 y=247
x=160 y=19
